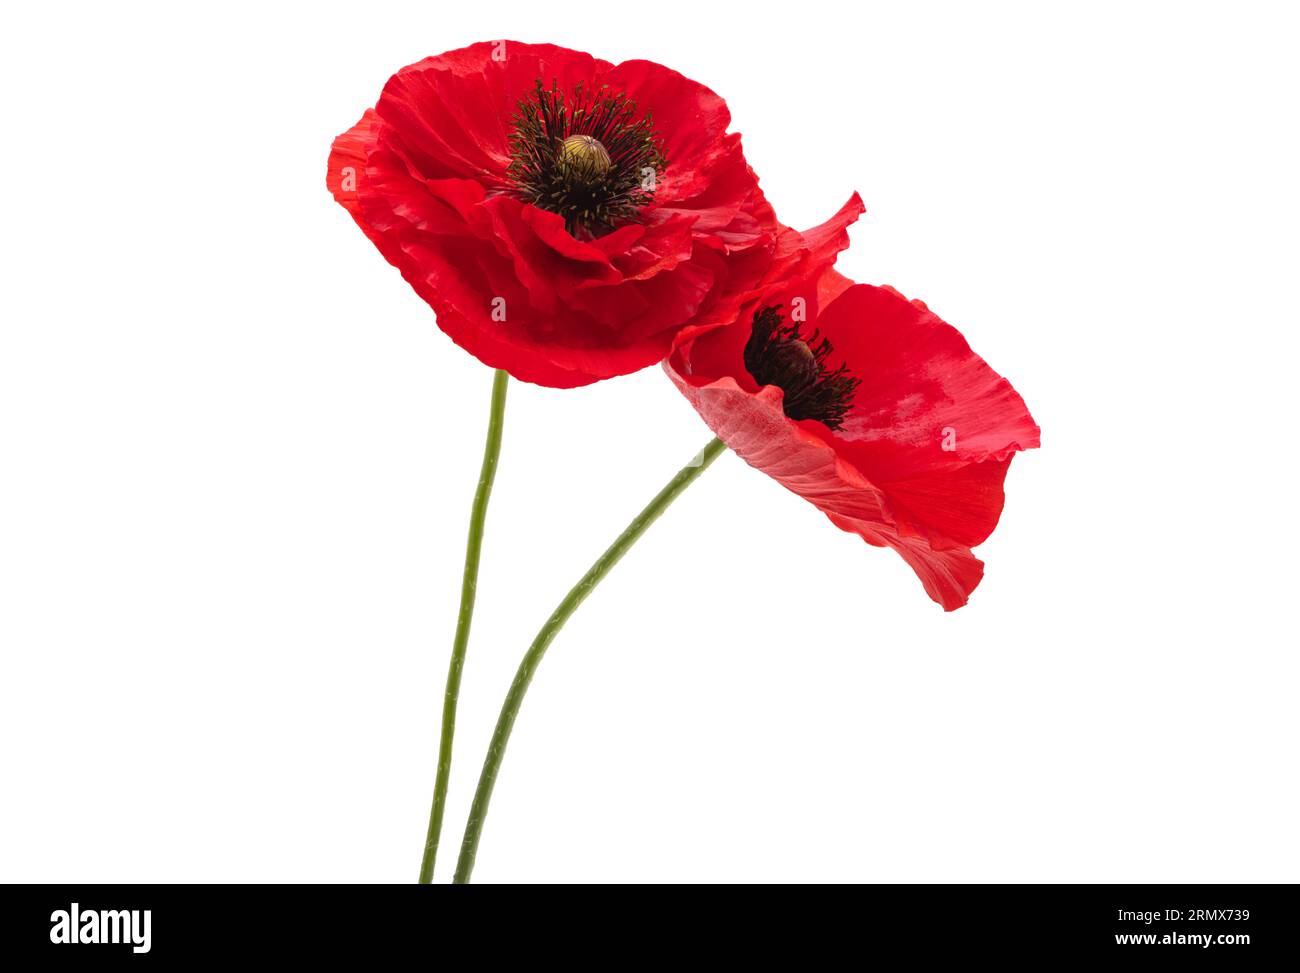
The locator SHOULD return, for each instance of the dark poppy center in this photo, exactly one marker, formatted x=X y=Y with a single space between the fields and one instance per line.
x=588 y=155
x=777 y=354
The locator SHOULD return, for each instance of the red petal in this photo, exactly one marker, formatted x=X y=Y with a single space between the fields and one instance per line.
x=754 y=427
x=345 y=173
x=450 y=114
x=927 y=409
x=691 y=119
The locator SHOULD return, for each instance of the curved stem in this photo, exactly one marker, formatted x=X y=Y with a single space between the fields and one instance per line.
x=468 y=588
x=576 y=596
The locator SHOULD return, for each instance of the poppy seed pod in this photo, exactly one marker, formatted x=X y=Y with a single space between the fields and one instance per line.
x=584 y=158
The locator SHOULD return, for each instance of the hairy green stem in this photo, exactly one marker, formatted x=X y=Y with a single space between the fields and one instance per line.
x=468 y=589
x=533 y=657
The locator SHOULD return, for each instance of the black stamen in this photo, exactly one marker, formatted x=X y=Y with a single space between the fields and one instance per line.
x=596 y=197
x=776 y=354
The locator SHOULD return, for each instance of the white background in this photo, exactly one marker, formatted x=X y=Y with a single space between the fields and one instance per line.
x=236 y=460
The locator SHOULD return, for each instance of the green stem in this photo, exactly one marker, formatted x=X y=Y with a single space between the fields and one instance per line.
x=468 y=588
x=515 y=697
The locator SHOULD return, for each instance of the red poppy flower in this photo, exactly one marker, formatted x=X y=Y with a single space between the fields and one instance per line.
x=871 y=408
x=563 y=216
